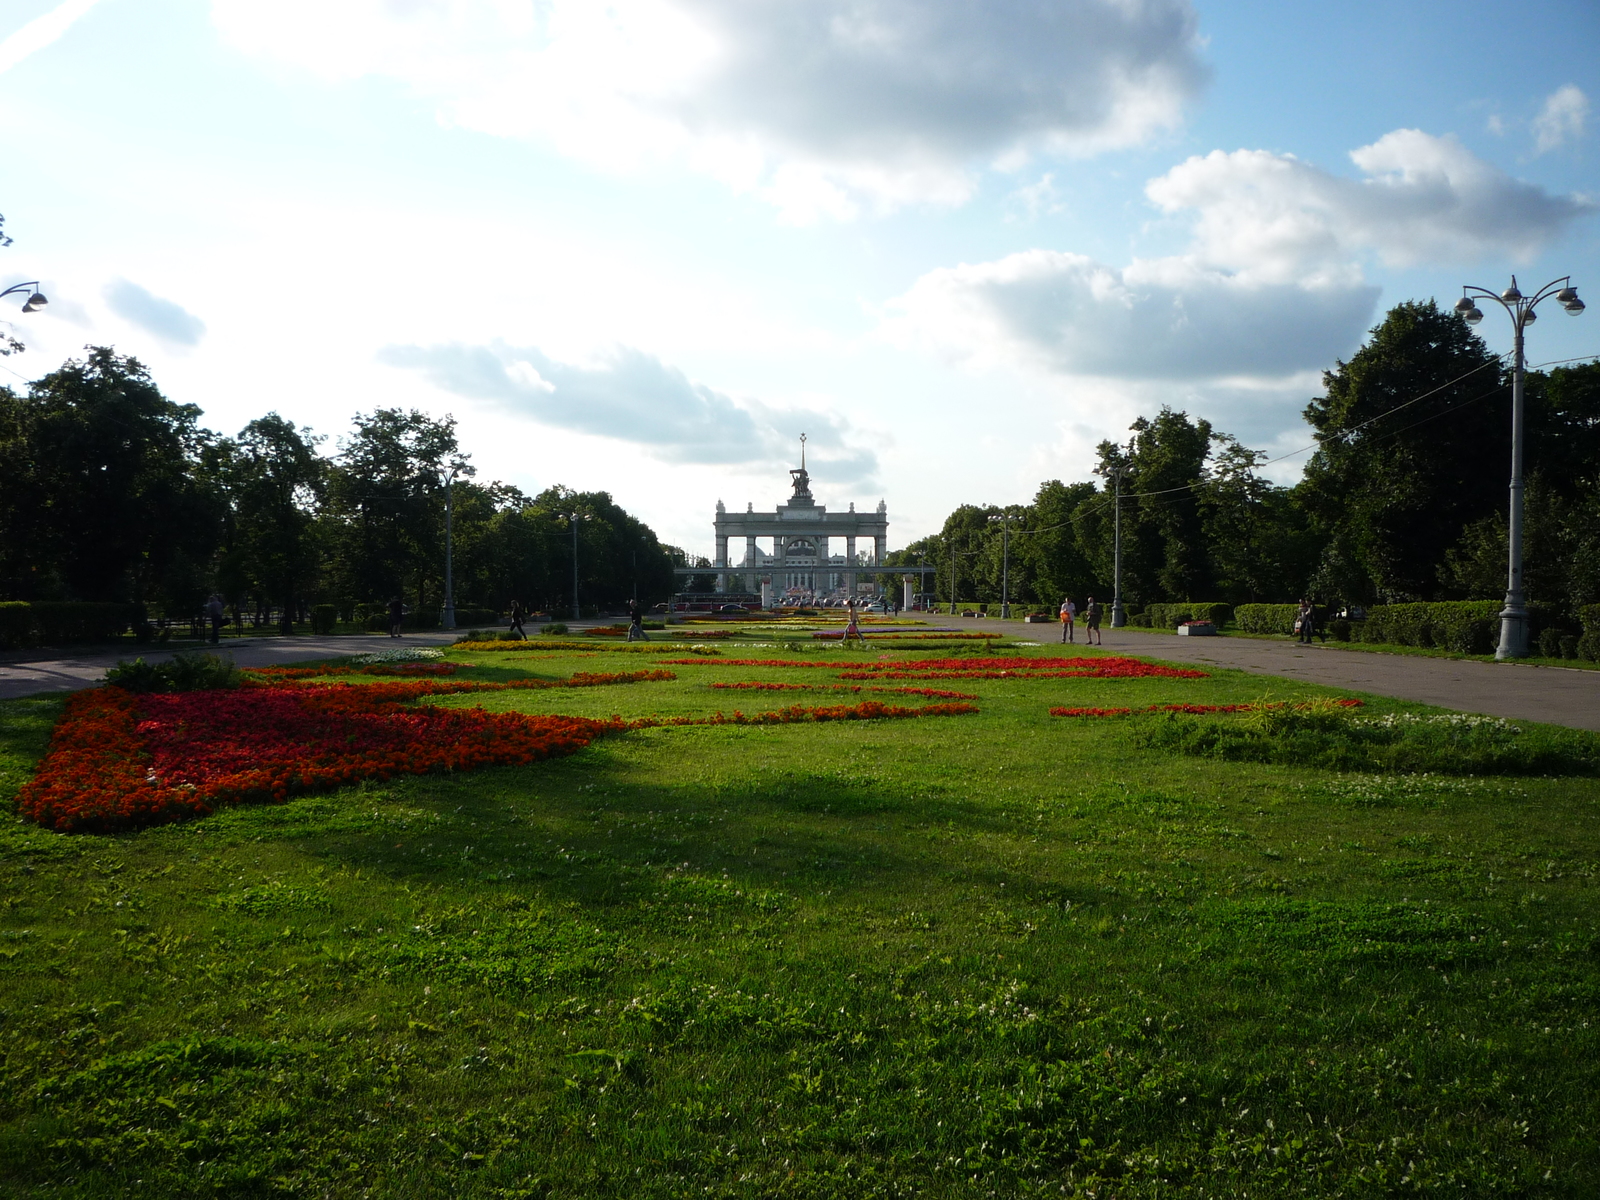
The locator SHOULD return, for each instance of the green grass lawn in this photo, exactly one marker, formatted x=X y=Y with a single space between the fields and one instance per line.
x=991 y=955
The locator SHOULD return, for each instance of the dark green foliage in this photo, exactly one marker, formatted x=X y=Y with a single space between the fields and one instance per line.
x=182 y=673
x=59 y=623
x=554 y=627
x=101 y=498
x=1389 y=496
x=1170 y=616
x=324 y=618
x=1265 y=618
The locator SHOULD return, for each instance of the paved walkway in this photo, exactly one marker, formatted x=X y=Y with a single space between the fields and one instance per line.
x=1552 y=694
x=69 y=672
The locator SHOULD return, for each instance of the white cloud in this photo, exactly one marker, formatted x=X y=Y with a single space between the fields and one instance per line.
x=1272 y=282
x=1561 y=120
x=41 y=32
x=821 y=107
x=631 y=396
x=1277 y=219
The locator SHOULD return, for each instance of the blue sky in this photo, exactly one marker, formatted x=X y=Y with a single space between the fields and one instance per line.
x=643 y=246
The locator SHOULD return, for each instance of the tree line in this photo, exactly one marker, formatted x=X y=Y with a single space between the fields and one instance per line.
x=109 y=491
x=1404 y=498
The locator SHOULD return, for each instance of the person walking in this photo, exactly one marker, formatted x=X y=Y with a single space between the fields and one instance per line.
x=214 y=611
x=636 y=631
x=1305 y=622
x=853 y=629
x=1091 y=623
x=518 y=613
x=1069 y=613
x=397 y=615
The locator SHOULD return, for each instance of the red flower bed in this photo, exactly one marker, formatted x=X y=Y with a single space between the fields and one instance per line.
x=1107 y=667
x=290 y=674
x=1194 y=709
x=121 y=761
x=744 y=662
x=933 y=693
x=867 y=710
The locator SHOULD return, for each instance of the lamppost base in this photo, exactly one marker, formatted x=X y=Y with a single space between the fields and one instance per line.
x=1005 y=612
x=447 y=617
x=1513 y=634
x=1119 y=616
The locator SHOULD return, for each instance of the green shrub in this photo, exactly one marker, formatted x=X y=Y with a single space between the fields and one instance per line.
x=1588 y=646
x=1341 y=629
x=324 y=618
x=1265 y=618
x=59 y=623
x=1332 y=738
x=476 y=616
x=1569 y=646
x=1170 y=616
x=1140 y=620
x=554 y=627
x=1550 y=643
x=184 y=673
x=1589 y=617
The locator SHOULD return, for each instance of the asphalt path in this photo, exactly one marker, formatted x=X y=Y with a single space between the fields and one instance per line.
x=1520 y=691
x=1556 y=695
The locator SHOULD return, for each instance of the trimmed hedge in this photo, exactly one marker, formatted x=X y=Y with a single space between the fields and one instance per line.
x=324 y=618
x=1267 y=618
x=58 y=623
x=1465 y=626
x=1170 y=616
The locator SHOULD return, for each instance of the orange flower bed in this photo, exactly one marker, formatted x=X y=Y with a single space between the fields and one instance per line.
x=934 y=693
x=1107 y=667
x=121 y=761
x=867 y=710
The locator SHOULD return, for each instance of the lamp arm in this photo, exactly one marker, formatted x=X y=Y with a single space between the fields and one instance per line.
x=20 y=287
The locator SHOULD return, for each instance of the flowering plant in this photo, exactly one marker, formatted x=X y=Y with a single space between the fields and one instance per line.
x=844 y=687
x=1200 y=709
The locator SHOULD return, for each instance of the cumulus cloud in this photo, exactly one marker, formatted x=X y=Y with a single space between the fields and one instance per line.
x=1561 y=120
x=632 y=396
x=1424 y=199
x=168 y=321
x=1272 y=282
x=822 y=107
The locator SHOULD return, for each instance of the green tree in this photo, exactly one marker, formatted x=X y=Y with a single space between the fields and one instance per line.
x=277 y=483
x=1411 y=449
x=387 y=505
x=104 y=499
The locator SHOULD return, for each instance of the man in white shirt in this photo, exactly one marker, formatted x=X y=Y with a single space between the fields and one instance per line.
x=1069 y=612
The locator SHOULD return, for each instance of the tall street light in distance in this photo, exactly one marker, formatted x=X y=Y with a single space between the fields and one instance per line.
x=575 y=517
x=447 y=618
x=1005 y=563
x=1520 y=308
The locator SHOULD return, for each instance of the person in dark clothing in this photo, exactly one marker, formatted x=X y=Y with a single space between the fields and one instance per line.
x=636 y=631
x=217 y=615
x=517 y=614
x=1091 y=622
x=1305 y=622
x=397 y=615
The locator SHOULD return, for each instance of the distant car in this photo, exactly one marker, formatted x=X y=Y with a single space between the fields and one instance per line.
x=733 y=608
x=876 y=606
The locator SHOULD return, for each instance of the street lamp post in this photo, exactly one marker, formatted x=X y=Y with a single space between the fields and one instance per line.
x=447 y=618
x=35 y=300
x=1005 y=564
x=1119 y=616
x=1520 y=308
x=575 y=517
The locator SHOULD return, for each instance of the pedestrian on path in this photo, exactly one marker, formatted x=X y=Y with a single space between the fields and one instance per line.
x=1305 y=622
x=216 y=613
x=517 y=615
x=397 y=615
x=1091 y=623
x=636 y=631
x=1069 y=612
